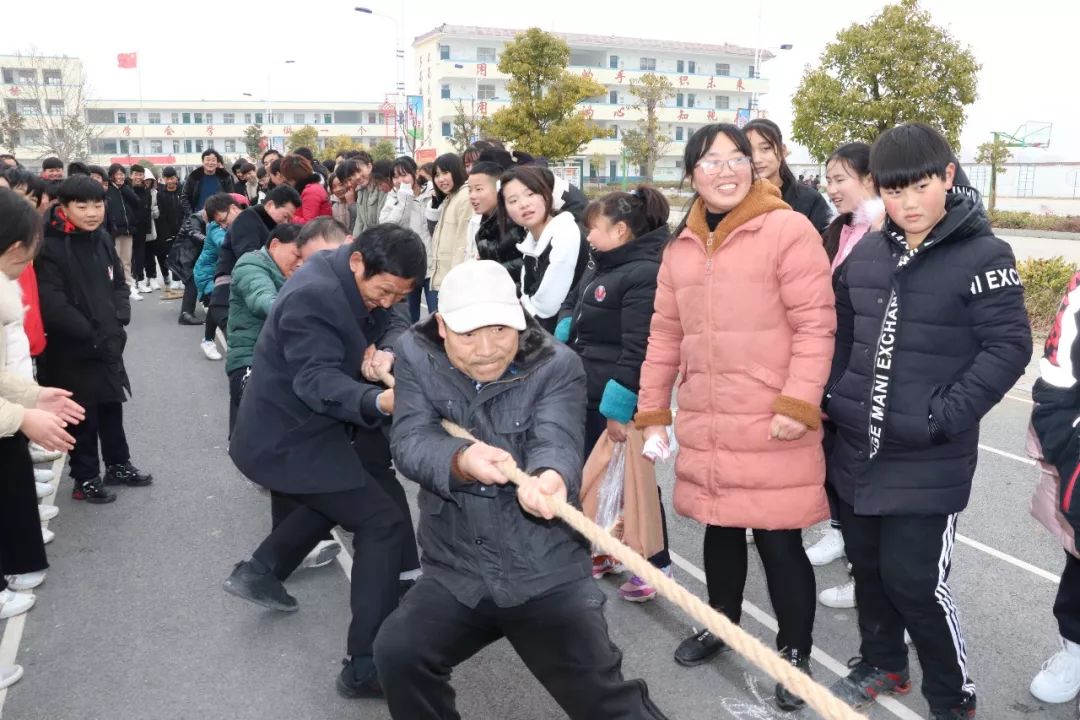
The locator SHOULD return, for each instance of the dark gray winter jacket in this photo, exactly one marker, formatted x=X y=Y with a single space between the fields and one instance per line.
x=476 y=539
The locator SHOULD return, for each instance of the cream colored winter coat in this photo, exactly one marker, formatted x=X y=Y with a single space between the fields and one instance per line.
x=16 y=393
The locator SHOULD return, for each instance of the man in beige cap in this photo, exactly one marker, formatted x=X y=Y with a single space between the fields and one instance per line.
x=495 y=563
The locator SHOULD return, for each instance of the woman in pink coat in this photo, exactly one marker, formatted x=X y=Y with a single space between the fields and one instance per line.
x=744 y=316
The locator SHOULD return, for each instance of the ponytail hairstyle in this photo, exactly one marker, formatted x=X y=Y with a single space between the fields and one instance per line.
x=771 y=132
x=856 y=158
x=643 y=210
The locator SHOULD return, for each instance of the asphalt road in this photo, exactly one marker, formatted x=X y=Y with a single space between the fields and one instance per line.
x=132 y=623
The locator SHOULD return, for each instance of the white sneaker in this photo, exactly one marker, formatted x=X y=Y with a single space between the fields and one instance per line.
x=47 y=535
x=176 y=285
x=135 y=295
x=1059 y=679
x=44 y=490
x=43 y=476
x=47 y=512
x=841 y=596
x=155 y=284
x=830 y=547
x=9 y=675
x=39 y=455
x=13 y=603
x=143 y=286
x=209 y=349
x=26 y=581
x=323 y=554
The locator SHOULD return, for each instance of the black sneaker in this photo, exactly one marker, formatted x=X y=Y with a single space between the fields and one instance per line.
x=358 y=679
x=187 y=318
x=699 y=648
x=865 y=682
x=127 y=474
x=785 y=699
x=91 y=491
x=261 y=588
x=964 y=711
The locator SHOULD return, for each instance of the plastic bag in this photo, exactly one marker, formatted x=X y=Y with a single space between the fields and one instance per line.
x=609 y=506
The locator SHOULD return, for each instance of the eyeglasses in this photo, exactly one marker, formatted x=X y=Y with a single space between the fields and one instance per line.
x=712 y=167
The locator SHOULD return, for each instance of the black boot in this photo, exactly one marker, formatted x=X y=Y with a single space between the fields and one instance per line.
x=187 y=318
x=359 y=679
x=127 y=474
x=258 y=585
x=785 y=699
x=91 y=491
x=699 y=648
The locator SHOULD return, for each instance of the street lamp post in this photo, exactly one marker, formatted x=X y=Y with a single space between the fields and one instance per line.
x=399 y=53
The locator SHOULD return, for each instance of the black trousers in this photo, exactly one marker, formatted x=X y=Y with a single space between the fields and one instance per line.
x=138 y=256
x=191 y=295
x=788 y=573
x=157 y=250
x=21 y=547
x=595 y=426
x=901 y=567
x=375 y=522
x=217 y=317
x=237 y=381
x=562 y=637
x=1067 y=603
x=104 y=422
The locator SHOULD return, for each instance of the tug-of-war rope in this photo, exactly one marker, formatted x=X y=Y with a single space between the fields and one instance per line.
x=816 y=696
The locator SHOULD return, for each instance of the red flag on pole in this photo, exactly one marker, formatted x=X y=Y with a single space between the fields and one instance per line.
x=126 y=60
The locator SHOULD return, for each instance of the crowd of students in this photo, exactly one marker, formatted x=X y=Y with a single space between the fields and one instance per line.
x=823 y=367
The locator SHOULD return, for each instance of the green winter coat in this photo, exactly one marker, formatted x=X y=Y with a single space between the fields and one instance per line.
x=256 y=280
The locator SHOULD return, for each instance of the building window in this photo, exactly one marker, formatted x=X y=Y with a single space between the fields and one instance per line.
x=258 y=118
x=613 y=97
x=230 y=146
x=198 y=118
x=648 y=63
x=690 y=100
x=209 y=118
x=444 y=91
x=485 y=92
x=187 y=146
x=187 y=118
x=26 y=77
x=198 y=146
x=614 y=132
x=176 y=147
x=228 y=118
x=247 y=118
x=750 y=73
x=56 y=108
x=372 y=118
x=678 y=134
x=613 y=62
x=109 y=146
x=723 y=69
x=444 y=52
x=30 y=108
x=723 y=102
x=328 y=118
x=299 y=118
x=8 y=75
x=175 y=119
x=133 y=118
x=680 y=66
x=125 y=149
x=155 y=147
x=52 y=77
x=154 y=118
x=446 y=129
x=680 y=100
x=278 y=118
x=485 y=55
x=691 y=67
x=121 y=118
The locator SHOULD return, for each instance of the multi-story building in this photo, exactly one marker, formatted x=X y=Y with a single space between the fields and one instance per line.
x=41 y=94
x=457 y=69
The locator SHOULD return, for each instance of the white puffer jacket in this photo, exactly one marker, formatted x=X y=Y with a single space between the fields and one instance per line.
x=16 y=391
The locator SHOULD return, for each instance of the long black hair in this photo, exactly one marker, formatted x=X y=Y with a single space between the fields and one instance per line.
x=771 y=132
x=22 y=224
x=448 y=163
x=643 y=210
x=856 y=157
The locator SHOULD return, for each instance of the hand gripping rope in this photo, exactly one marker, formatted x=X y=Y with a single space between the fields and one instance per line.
x=816 y=696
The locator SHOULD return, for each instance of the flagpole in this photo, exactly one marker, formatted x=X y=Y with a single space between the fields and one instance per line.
x=142 y=118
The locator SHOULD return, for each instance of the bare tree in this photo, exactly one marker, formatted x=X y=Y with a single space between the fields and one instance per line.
x=413 y=134
x=465 y=127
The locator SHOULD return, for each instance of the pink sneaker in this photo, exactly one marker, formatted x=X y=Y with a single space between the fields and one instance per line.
x=605 y=565
x=637 y=590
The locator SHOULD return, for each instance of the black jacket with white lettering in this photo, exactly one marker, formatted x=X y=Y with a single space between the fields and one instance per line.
x=927 y=342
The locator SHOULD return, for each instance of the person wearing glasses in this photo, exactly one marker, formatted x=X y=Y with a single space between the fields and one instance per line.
x=744 y=321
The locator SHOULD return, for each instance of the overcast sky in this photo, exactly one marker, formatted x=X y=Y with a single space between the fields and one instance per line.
x=207 y=49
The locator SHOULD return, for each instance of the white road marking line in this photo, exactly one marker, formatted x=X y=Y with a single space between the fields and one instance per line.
x=818 y=655
x=1017 y=458
x=1009 y=559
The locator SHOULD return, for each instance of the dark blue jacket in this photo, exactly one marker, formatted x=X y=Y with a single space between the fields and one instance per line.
x=305 y=397
x=927 y=342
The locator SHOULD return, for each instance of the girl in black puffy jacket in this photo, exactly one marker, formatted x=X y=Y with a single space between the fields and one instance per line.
x=605 y=319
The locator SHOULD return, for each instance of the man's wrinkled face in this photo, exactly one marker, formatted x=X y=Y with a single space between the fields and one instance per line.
x=483 y=354
x=381 y=290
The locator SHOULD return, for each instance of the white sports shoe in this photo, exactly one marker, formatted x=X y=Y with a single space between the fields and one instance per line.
x=176 y=285
x=1059 y=679
x=47 y=512
x=40 y=455
x=9 y=675
x=841 y=596
x=323 y=554
x=143 y=286
x=209 y=349
x=47 y=535
x=830 y=547
x=155 y=284
x=43 y=476
x=44 y=490
x=135 y=295
x=26 y=581
x=13 y=603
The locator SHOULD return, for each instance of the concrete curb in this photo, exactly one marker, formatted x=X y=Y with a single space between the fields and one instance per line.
x=1047 y=234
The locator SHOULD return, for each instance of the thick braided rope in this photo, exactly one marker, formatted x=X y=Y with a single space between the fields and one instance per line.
x=816 y=696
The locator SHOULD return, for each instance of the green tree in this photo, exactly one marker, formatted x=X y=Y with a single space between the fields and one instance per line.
x=340 y=144
x=465 y=127
x=252 y=137
x=383 y=150
x=995 y=154
x=306 y=136
x=645 y=144
x=543 y=117
x=898 y=67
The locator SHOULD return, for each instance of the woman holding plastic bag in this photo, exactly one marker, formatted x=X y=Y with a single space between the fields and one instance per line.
x=606 y=320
